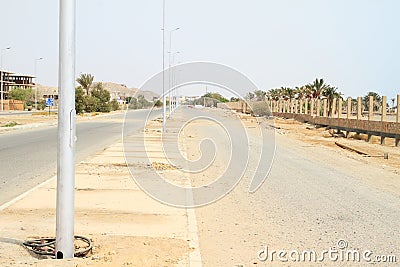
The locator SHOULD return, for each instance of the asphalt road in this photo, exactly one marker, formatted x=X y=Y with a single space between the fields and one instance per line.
x=313 y=198
x=30 y=157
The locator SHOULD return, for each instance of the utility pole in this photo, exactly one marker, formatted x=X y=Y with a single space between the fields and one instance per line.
x=163 y=74
x=36 y=88
x=66 y=132
x=171 y=97
x=2 y=77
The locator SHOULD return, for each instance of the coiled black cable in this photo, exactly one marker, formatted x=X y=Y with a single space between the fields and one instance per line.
x=46 y=246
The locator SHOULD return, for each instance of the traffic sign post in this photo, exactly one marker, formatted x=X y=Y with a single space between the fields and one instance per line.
x=49 y=103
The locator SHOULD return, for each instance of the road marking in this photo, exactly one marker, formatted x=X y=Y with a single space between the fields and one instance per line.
x=193 y=232
x=23 y=195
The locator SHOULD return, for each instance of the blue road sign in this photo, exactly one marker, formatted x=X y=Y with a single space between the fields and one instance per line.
x=50 y=102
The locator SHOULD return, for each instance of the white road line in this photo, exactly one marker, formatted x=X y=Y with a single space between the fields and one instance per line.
x=193 y=232
x=23 y=195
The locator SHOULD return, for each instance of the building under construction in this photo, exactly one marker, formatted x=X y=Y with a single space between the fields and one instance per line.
x=8 y=81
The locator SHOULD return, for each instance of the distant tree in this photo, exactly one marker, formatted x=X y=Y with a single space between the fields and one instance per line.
x=317 y=87
x=250 y=96
x=86 y=81
x=158 y=103
x=27 y=95
x=260 y=108
x=377 y=101
x=133 y=103
x=274 y=94
x=141 y=102
x=91 y=104
x=260 y=95
x=22 y=94
x=103 y=96
x=42 y=104
x=331 y=93
x=128 y=99
x=216 y=96
x=299 y=91
x=288 y=93
x=114 y=105
x=79 y=100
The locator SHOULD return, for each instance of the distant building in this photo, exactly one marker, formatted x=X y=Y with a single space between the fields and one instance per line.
x=189 y=99
x=11 y=80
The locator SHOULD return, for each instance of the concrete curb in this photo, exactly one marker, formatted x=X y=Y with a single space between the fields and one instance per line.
x=23 y=195
x=193 y=231
x=27 y=126
x=48 y=124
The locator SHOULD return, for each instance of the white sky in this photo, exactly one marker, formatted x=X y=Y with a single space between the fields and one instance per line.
x=352 y=44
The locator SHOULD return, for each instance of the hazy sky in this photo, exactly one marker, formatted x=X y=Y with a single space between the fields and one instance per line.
x=353 y=44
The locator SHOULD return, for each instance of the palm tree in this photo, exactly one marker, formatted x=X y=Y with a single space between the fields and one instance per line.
x=260 y=95
x=300 y=92
x=317 y=87
x=85 y=80
x=289 y=93
x=377 y=101
x=274 y=94
x=330 y=93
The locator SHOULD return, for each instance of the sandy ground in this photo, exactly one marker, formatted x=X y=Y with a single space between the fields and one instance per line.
x=315 y=195
x=320 y=136
x=126 y=226
x=297 y=207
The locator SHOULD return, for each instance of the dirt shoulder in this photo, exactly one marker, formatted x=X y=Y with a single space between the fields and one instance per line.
x=321 y=136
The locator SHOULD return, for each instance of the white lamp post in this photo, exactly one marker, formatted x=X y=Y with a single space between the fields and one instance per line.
x=66 y=132
x=36 y=88
x=163 y=73
x=174 y=94
x=1 y=77
x=170 y=74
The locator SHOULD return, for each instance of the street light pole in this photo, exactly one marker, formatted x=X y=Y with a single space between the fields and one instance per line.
x=1 y=58
x=174 y=93
x=163 y=73
x=1 y=77
x=66 y=132
x=169 y=68
x=36 y=88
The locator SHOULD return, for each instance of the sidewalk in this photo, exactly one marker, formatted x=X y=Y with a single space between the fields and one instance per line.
x=126 y=226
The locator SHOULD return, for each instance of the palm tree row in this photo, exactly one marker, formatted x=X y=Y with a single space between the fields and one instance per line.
x=316 y=90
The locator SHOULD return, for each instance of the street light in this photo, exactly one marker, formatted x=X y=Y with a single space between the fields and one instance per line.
x=64 y=245
x=169 y=61
x=173 y=79
x=2 y=50
x=1 y=77
x=163 y=73
x=36 y=88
